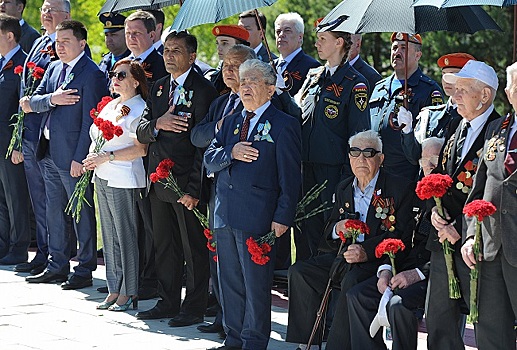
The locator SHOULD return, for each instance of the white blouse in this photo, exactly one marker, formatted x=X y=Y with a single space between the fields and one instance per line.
x=121 y=173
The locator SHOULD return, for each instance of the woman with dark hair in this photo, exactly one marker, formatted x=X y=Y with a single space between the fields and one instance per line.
x=334 y=103
x=119 y=172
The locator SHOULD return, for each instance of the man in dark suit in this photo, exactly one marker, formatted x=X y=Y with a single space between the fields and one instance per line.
x=289 y=29
x=178 y=236
x=359 y=64
x=70 y=88
x=15 y=8
x=369 y=192
x=140 y=33
x=159 y=17
x=495 y=182
x=42 y=54
x=14 y=219
x=249 y=21
x=256 y=157
x=475 y=87
x=115 y=40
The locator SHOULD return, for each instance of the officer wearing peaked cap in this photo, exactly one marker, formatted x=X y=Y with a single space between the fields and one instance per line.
x=388 y=96
x=432 y=120
x=114 y=39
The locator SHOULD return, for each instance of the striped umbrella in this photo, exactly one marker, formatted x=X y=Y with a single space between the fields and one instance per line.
x=116 y=6
x=196 y=12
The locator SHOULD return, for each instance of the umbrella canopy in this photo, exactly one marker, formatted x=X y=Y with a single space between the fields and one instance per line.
x=370 y=16
x=453 y=3
x=116 y=6
x=196 y=12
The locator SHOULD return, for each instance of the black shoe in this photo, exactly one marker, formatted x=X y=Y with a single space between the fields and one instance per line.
x=46 y=277
x=27 y=267
x=146 y=293
x=183 y=320
x=155 y=313
x=212 y=311
x=210 y=328
x=39 y=269
x=103 y=290
x=12 y=260
x=77 y=282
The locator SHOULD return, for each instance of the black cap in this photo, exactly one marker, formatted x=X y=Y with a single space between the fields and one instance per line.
x=112 y=22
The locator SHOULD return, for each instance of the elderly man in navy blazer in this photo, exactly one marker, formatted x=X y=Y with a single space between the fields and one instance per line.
x=14 y=228
x=70 y=88
x=256 y=158
x=289 y=29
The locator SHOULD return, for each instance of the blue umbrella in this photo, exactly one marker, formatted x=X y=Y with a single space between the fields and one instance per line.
x=196 y=12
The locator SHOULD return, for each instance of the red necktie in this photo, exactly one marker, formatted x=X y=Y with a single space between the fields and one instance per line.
x=510 y=162
x=246 y=126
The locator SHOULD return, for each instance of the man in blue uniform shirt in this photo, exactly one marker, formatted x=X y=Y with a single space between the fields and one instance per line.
x=115 y=40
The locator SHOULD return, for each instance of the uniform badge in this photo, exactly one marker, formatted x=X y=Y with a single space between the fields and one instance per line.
x=159 y=92
x=331 y=111
x=335 y=88
x=296 y=75
x=446 y=61
x=399 y=36
x=341 y=211
x=436 y=98
x=347 y=205
x=360 y=92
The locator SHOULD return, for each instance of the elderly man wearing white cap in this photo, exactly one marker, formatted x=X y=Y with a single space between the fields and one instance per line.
x=496 y=182
x=475 y=86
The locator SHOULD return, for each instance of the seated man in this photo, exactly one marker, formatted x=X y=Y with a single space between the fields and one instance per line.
x=364 y=298
x=374 y=197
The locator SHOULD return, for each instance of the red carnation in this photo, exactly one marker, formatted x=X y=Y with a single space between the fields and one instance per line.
x=210 y=246
x=390 y=247
x=162 y=172
x=208 y=233
x=479 y=208
x=103 y=102
x=433 y=185
x=31 y=65
x=353 y=229
x=167 y=163
x=18 y=70
x=215 y=258
x=154 y=177
x=118 y=131
x=38 y=73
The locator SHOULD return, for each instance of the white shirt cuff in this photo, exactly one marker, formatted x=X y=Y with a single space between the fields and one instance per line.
x=334 y=233
x=422 y=276
x=382 y=268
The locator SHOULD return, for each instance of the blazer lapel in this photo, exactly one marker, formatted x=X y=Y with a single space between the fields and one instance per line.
x=371 y=220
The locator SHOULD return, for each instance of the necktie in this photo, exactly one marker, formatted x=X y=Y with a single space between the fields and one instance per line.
x=174 y=85
x=62 y=75
x=2 y=59
x=246 y=126
x=282 y=65
x=461 y=141
x=510 y=162
x=231 y=104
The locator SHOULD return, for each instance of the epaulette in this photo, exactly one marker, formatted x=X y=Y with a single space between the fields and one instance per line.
x=317 y=70
x=427 y=80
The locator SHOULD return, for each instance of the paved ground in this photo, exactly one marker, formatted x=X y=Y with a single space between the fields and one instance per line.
x=45 y=317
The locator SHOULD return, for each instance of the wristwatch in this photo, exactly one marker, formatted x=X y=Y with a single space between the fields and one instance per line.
x=112 y=156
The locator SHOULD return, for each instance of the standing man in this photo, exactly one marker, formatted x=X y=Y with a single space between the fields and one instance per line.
x=115 y=40
x=70 y=88
x=495 y=182
x=359 y=64
x=159 y=17
x=249 y=21
x=388 y=96
x=42 y=53
x=289 y=29
x=140 y=33
x=15 y=8
x=14 y=218
x=257 y=185
x=177 y=102
x=475 y=86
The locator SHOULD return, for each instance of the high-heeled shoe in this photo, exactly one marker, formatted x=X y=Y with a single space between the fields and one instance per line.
x=105 y=305
x=132 y=300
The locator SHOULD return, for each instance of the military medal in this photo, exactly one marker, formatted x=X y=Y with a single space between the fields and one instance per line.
x=236 y=131
x=341 y=210
x=159 y=92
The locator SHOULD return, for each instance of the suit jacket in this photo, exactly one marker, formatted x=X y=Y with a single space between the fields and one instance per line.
x=492 y=183
x=154 y=67
x=298 y=69
x=176 y=146
x=69 y=125
x=455 y=198
x=250 y=196
x=9 y=90
x=29 y=35
x=386 y=187
x=263 y=56
x=367 y=71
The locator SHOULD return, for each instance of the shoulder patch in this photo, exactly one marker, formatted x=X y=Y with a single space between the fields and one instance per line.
x=436 y=98
x=360 y=92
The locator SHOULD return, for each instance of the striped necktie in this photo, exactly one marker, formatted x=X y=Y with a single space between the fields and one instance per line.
x=246 y=126
x=461 y=142
x=174 y=85
x=231 y=104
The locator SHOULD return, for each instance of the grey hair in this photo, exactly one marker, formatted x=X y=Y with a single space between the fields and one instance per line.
x=510 y=71
x=478 y=85
x=433 y=141
x=292 y=17
x=355 y=37
x=367 y=135
x=257 y=65
x=66 y=5
x=246 y=52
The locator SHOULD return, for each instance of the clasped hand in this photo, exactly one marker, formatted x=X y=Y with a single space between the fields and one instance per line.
x=172 y=122
x=446 y=231
x=66 y=97
x=355 y=253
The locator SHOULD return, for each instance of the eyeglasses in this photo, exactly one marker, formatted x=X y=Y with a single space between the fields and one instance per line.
x=433 y=161
x=50 y=10
x=119 y=75
x=367 y=152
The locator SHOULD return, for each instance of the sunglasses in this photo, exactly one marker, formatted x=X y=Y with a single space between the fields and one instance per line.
x=120 y=75
x=367 y=152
